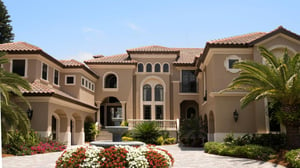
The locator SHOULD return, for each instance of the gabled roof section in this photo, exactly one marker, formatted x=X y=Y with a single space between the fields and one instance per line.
x=245 y=41
x=39 y=89
x=188 y=56
x=238 y=40
x=18 y=46
x=153 y=49
x=26 y=48
x=114 y=59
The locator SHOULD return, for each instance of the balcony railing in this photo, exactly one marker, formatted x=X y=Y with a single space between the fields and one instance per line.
x=169 y=125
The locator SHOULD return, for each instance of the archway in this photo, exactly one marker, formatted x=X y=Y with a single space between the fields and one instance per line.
x=111 y=112
x=188 y=109
x=211 y=126
x=59 y=125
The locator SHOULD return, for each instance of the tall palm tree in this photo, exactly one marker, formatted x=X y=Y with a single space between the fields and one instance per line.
x=13 y=116
x=278 y=80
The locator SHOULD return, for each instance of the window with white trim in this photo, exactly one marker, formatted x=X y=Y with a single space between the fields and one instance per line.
x=229 y=63
x=44 y=71
x=86 y=83
x=111 y=81
x=70 y=80
x=19 y=67
x=147 y=96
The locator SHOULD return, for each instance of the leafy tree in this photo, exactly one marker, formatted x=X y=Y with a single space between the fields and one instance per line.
x=13 y=116
x=278 y=80
x=6 y=34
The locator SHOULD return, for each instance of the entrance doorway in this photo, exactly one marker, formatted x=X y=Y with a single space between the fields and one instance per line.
x=111 y=112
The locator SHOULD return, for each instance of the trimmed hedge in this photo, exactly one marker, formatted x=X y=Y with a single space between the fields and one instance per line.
x=293 y=158
x=246 y=151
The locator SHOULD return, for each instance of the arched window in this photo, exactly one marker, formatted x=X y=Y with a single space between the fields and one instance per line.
x=111 y=81
x=147 y=93
x=159 y=93
x=166 y=67
x=149 y=67
x=157 y=67
x=140 y=67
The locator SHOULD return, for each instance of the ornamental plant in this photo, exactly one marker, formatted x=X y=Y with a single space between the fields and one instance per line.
x=115 y=157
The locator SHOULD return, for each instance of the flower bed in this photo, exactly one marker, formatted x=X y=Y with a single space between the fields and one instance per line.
x=116 y=156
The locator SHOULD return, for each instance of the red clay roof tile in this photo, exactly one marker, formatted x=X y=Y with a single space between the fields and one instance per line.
x=240 y=39
x=18 y=46
x=114 y=59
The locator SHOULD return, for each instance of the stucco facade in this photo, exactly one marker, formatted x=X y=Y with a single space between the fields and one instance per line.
x=148 y=83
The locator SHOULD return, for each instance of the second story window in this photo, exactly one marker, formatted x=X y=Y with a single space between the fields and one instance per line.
x=157 y=67
x=188 y=81
x=148 y=67
x=147 y=93
x=19 y=67
x=166 y=67
x=70 y=80
x=44 y=71
x=111 y=81
x=140 y=67
x=159 y=93
x=56 y=77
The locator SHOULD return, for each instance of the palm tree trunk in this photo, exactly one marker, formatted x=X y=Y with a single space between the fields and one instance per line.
x=293 y=136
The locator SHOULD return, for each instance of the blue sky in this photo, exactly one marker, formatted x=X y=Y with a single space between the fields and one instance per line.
x=78 y=29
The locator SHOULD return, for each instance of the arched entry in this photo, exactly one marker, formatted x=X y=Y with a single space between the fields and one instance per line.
x=111 y=112
x=211 y=126
x=188 y=109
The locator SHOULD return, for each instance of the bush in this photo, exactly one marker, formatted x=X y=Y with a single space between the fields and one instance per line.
x=147 y=132
x=293 y=158
x=125 y=138
x=246 y=151
x=275 y=141
x=165 y=139
x=29 y=144
x=90 y=130
x=116 y=156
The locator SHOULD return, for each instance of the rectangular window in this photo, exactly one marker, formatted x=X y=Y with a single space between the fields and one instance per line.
x=159 y=115
x=82 y=81
x=56 y=77
x=188 y=81
x=18 y=67
x=231 y=63
x=70 y=80
x=147 y=112
x=44 y=71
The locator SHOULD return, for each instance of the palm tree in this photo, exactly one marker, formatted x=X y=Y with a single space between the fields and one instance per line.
x=13 y=116
x=278 y=80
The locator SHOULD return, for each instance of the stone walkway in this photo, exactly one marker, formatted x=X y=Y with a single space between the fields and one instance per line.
x=184 y=158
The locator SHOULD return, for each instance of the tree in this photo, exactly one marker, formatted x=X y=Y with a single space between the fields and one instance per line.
x=13 y=116
x=278 y=80
x=6 y=34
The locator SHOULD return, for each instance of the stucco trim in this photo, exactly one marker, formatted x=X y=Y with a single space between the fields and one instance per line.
x=219 y=94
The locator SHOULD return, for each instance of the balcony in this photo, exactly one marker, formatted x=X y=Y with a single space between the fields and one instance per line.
x=168 y=125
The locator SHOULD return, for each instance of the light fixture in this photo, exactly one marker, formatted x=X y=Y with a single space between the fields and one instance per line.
x=30 y=113
x=235 y=115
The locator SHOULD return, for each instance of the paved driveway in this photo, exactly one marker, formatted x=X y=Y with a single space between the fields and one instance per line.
x=184 y=158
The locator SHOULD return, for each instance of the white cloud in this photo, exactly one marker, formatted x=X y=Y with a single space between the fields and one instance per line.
x=134 y=27
x=82 y=56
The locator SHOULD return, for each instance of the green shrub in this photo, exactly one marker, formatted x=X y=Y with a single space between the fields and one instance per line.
x=124 y=123
x=293 y=158
x=90 y=130
x=147 y=132
x=246 y=151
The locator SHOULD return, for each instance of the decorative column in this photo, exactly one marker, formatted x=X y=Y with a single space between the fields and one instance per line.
x=98 y=113
x=123 y=103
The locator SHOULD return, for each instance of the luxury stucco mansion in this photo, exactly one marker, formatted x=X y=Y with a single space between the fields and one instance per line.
x=147 y=83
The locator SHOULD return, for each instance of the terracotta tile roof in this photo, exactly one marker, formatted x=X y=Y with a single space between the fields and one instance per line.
x=71 y=63
x=42 y=89
x=114 y=59
x=153 y=48
x=188 y=55
x=18 y=46
x=241 y=39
